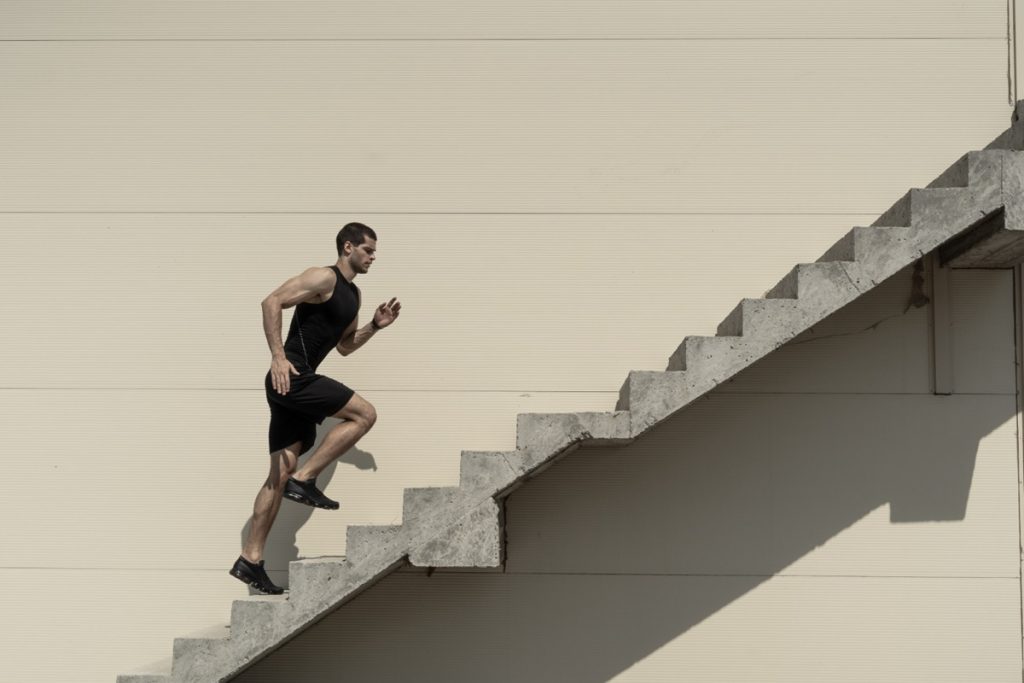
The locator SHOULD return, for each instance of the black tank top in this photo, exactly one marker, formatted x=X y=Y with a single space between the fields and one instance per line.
x=317 y=328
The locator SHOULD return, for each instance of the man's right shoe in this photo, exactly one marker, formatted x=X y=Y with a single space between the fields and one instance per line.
x=254 y=575
x=307 y=493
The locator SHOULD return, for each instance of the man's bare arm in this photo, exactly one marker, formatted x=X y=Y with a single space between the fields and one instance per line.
x=307 y=286
x=354 y=337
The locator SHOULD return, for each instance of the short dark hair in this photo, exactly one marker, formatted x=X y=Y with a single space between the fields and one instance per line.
x=356 y=233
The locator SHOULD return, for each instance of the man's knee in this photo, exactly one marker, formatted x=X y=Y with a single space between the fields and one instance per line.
x=365 y=416
x=360 y=411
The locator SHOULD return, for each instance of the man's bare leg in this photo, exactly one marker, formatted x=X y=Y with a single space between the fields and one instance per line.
x=268 y=501
x=359 y=416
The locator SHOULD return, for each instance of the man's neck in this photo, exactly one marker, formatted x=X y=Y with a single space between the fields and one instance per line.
x=346 y=270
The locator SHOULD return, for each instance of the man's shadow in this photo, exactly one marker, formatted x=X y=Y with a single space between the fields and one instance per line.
x=281 y=545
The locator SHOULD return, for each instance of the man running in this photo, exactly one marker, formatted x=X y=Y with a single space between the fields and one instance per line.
x=327 y=306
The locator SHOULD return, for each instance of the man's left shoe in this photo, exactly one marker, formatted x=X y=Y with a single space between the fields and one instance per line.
x=307 y=493
x=255 y=575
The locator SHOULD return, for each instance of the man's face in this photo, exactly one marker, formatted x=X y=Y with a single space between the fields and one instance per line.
x=363 y=255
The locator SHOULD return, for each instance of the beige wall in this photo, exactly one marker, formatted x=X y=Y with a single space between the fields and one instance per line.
x=563 y=191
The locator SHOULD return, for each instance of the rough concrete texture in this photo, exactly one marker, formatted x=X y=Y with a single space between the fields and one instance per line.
x=540 y=435
x=473 y=541
x=362 y=540
x=866 y=244
x=192 y=653
x=1000 y=244
x=1013 y=191
x=819 y=286
x=307 y=575
x=762 y=315
x=711 y=356
x=462 y=526
x=487 y=472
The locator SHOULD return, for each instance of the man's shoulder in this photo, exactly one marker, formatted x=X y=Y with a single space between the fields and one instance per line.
x=319 y=271
x=319 y=278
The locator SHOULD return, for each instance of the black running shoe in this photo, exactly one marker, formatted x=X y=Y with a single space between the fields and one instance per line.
x=307 y=493
x=254 y=575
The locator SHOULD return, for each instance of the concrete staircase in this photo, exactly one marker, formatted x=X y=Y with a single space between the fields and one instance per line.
x=463 y=526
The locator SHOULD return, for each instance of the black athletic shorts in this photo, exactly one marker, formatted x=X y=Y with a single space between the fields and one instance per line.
x=295 y=415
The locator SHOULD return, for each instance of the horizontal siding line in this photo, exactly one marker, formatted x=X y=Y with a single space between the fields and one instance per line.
x=609 y=392
x=774 y=576
x=867 y=393
x=466 y=213
x=1001 y=38
x=455 y=570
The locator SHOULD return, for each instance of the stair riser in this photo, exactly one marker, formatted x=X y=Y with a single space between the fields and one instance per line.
x=931 y=209
x=307 y=579
x=823 y=288
x=756 y=317
x=473 y=541
x=254 y=617
x=715 y=358
x=361 y=541
x=546 y=433
x=195 y=658
x=424 y=508
x=318 y=586
x=252 y=628
x=488 y=472
x=656 y=395
x=873 y=247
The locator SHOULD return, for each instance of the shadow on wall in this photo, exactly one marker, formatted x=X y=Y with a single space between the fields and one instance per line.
x=281 y=544
x=616 y=552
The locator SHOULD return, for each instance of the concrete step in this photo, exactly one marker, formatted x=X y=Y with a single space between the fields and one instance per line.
x=866 y=244
x=422 y=506
x=761 y=316
x=488 y=472
x=318 y=584
x=195 y=653
x=474 y=540
x=651 y=396
x=363 y=540
x=251 y=616
x=307 y=575
x=255 y=621
x=924 y=207
x=820 y=282
x=717 y=357
x=539 y=435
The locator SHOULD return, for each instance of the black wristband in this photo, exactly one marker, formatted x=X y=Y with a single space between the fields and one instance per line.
x=373 y=321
